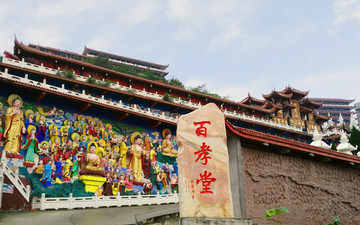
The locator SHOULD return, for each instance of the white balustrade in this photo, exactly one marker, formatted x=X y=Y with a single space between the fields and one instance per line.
x=12 y=77
x=144 y=93
x=71 y=202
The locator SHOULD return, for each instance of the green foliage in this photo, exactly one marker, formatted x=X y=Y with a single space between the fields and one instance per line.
x=336 y=221
x=165 y=159
x=202 y=89
x=91 y=80
x=103 y=61
x=57 y=190
x=66 y=73
x=105 y=83
x=131 y=90
x=1 y=58
x=355 y=138
x=274 y=214
x=148 y=74
x=167 y=97
x=124 y=129
x=100 y=60
x=333 y=146
x=177 y=82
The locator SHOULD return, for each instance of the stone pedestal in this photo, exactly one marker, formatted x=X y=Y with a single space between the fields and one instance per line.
x=91 y=182
x=213 y=221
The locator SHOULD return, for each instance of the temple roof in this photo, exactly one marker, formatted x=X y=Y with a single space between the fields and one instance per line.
x=258 y=108
x=125 y=59
x=319 y=117
x=11 y=56
x=306 y=102
x=345 y=101
x=50 y=49
x=299 y=94
x=269 y=105
x=249 y=100
x=305 y=109
x=158 y=67
x=260 y=137
x=276 y=95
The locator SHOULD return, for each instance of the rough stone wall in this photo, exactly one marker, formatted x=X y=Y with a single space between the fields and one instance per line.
x=313 y=191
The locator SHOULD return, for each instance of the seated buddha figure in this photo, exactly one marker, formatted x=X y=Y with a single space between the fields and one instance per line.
x=167 y=146
x=93 y=160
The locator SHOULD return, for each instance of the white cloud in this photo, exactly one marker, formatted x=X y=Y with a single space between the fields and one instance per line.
x=219 y=24
x=346 y=10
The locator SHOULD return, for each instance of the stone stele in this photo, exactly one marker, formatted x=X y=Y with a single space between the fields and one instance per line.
x=203 y=150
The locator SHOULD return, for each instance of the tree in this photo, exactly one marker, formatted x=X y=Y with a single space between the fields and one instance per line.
x=177 y=82
x=355 y=139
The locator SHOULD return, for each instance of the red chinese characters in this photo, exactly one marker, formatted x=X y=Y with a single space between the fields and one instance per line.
x=201 y=130
x=206 y=181
x=203 y=154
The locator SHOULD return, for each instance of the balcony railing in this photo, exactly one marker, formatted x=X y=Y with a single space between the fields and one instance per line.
x=117 y=86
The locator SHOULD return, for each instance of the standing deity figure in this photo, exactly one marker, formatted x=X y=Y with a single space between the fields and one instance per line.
x=14 y=125
x=31 y=144
x=123 y=151
x=136 y=156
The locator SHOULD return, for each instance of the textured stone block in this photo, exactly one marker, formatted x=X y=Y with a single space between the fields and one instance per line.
x=204 y=182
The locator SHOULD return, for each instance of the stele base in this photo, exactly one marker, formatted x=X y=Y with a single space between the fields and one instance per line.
x=214 y=221
x=91 y=182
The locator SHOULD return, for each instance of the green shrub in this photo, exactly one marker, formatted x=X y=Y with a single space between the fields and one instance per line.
x=336 y=221
x=91 y=80
x=167 y=97
x=272 y=213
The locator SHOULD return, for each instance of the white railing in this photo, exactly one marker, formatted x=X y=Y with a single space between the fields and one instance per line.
x=102 y=201
x=157 y=96
x=88 y=98
x=14 y=178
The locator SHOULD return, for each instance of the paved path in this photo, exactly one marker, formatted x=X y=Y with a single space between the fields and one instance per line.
x=108 y=216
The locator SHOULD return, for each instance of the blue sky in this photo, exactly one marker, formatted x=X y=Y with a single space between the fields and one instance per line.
x=232 y=46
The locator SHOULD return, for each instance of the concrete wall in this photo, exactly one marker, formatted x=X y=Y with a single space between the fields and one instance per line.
x=313 y=191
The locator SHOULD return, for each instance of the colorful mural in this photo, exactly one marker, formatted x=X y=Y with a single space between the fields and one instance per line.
x=60 y=148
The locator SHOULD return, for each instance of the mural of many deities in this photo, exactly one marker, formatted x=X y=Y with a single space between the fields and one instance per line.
x=60 y=148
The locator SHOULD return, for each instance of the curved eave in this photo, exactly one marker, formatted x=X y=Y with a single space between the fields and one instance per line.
x=268 y=105
x=54 y=49
x=276 y=94
x=306 y=102
x=304 y=109
x=267 y=111
x=286 y=105
x=11 y=56
x=283 y=142
x=249 y=99
x=288 y=90
x=321 y=117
